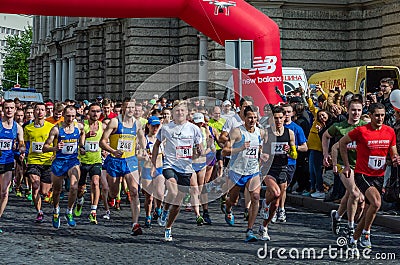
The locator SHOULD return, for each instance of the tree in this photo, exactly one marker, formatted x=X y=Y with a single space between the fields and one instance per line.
x=16 y=60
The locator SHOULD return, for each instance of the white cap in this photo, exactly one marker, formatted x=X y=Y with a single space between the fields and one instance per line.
x=155 y=96
x=198 y=117
x=226 y=103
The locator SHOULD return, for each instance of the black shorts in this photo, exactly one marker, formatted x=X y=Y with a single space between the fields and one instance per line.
x=183 y=179
x=226 y=161
x=6 y=167
x=363 y=182
x=43 y=171
x=92 y=170
x=218 y=155
x=280 y=175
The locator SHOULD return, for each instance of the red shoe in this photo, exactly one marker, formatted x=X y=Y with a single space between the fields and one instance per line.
x=111 y=202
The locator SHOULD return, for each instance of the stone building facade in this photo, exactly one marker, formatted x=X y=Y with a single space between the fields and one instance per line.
x=83 y=57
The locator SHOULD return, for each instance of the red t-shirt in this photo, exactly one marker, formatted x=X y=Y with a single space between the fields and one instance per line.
x=372 y=148
x=112 y=115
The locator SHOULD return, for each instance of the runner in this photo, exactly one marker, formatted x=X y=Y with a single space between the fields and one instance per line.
x=65 y=138
x=244 y=146
x=350 y=200
x=279 y=142
x=121 y=133
x=182 y=142
x=39 y=163
x=57 y=114
x=10 y=134
x=374 y=141
x=217 y=123
x=91 y=163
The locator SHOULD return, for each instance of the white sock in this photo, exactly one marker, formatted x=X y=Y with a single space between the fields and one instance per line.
x=69 y=210
x=352 y=240
x=366 y=232
x=93 y=207
x=337 y=216
x=351 y=224
x=80 y=200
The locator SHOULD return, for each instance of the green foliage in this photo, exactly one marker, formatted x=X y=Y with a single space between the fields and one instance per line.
x=17 y=58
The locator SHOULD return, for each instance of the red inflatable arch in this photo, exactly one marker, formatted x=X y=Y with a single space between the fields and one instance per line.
x=244 y=21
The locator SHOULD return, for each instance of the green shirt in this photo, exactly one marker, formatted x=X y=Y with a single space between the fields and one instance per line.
x=218 y=126
x=340 y=129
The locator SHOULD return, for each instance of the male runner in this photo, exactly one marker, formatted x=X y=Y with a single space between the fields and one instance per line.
x=10 y=133
x=91 y=163
x=121 y=133
x=374 y=141
x=244 y=147
x=65 y=138
x=39 y=163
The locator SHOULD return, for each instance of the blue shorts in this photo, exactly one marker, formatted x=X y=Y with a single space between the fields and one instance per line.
x=119 y=167
x=60 y=167
x=146 y=173
x=241 y=180
x=211 y=159
x=198 y=166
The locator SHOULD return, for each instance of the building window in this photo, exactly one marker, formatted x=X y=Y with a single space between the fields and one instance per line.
x=2 y=29
x=8 y=31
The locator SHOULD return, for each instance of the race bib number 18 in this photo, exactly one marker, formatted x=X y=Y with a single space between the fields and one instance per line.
x=184 y=152
x=376 y=162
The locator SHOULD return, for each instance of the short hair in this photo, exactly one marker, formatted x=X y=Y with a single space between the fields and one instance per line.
x=94 y=104
x=388 y=80
x=9 y=101
x=286 y=105
x=180 y=103
x=71 y=107
x=375 y=106
x=246 y=98
x=299 y=109
x=156 y=112
x=106 y=101
x=278 y=109
x=250 y=108
x=39 y=104
x=354 y=100
x=59 y=107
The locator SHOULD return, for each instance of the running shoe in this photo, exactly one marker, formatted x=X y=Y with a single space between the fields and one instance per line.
x=168 y=235
x=349 y=233
x=199 y=220
x=1 y=231
x=246 y=215
x=365 y=240
x=93 y=218
x=352 y=245
x=263 y=232
x=29 y=196
x=18 y=193
x=230 y=219
x=118 y=205
x=56 y=220
x=334 y=223
x=78 y=210
x=318 y=195
x=163 y=219
x=188 y=207
x=147 y=223
x=48 y=198
x=136 y=230
x=62 y=195
x=69 y=217
x=157 y=213
x=282 y=216
x=264 y=212
x=39 y=218
x=207 y=219
x=107 y=215
x=250 y=237
x=111 y=202
x=275 y=217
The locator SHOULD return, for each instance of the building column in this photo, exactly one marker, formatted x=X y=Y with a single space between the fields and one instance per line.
x=58 y=79
x=71 y=77
x=203 y=69
x=52 y=85
x=65 y=88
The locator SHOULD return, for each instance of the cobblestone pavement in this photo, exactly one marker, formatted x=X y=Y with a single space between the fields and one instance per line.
x=110 y=242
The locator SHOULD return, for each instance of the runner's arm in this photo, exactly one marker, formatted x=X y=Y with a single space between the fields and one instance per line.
x=21 y=143
x=303 y=147
x=154 y=155
x=343 y=149
x=112 y=125
x=325 y=147
x=292 y=145
x=51 y=140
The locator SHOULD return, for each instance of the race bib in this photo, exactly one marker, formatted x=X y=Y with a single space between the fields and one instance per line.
x=125 y=145
x=184 y=152
x=91 y=146
x=376 y=162
x=37 y=147
x=5 y=144
x=69 y=148
x=277 y=148
x=352 y=145
x=252 y=152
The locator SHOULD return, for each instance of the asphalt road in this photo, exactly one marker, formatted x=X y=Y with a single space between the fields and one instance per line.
x=110 y=242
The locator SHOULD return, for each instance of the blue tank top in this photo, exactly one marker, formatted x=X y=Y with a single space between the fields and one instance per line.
x=7 y=140
x=71 y=141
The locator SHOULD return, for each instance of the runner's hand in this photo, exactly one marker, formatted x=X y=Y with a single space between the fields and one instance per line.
x=117 y=153
x=346 y=171
x=327 y=160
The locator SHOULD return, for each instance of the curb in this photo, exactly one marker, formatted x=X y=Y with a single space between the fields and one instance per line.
x=388 y=221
